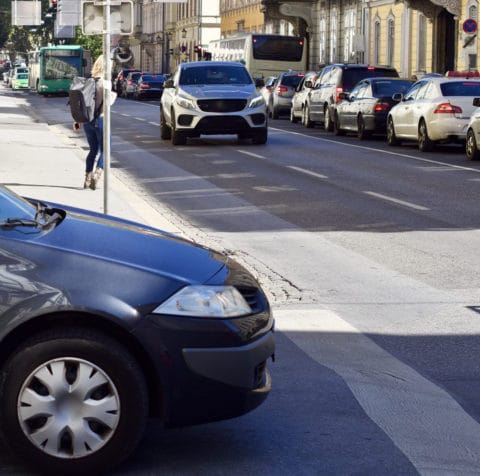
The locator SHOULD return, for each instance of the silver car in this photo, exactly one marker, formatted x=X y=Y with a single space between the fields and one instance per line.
x=280 y=100
x=212 y=97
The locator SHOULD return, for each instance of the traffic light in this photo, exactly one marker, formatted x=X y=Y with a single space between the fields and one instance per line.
x=198 y=49
x=52 y=9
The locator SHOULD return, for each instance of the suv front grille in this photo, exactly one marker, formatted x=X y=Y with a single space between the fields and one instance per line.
x=222 y=105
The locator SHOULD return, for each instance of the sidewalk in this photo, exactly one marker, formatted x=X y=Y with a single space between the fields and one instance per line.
x=48 y=162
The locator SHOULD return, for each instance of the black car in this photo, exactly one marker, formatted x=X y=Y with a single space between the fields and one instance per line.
x=364 y=110
x=149 y=86
x=337 y=78
x=105 y=322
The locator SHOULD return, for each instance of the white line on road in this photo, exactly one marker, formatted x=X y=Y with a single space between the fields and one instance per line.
x=308 y=172
x=338 y=143
x=422 y=419
x=140 y=119
x=251 y=154
x=154 y=123
x=396 y=200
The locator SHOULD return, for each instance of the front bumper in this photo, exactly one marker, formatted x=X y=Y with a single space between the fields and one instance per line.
x=207 y=369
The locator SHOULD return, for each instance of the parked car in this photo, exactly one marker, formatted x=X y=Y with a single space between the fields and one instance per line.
x=129 y=84
x=280 y=99
x=298 y=99
x=20 y=81
x=433 y=110
x=473 y=133
x=364 y=110
x=149 y=86
x=117 y=84
x=322 y=100
x=266 y=89
x=212 y=97
x=98 y=334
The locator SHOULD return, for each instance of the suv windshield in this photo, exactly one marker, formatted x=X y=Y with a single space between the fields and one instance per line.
x=214 y=75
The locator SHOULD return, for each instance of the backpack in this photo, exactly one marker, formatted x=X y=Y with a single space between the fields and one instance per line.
x=82 y=99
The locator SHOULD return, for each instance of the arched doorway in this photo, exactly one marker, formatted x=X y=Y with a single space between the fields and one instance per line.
x=445 y=34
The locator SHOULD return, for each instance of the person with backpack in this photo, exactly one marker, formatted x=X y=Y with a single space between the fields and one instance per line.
x=93 y=128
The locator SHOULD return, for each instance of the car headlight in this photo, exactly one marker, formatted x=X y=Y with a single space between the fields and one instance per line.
x=256 y=102
x=185 y=102
x=205 y=301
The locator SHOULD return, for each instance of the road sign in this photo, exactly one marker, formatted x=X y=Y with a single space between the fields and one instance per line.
x=469 y=25
x=121 y=18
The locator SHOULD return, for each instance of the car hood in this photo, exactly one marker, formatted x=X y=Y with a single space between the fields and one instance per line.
x=220 y=91
x=104 y=238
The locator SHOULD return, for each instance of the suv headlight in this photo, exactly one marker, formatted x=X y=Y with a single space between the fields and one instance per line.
x=185 y=102
x=256 y=102
x=205 y=301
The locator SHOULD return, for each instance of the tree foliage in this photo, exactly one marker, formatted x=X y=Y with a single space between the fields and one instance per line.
x=93 y=43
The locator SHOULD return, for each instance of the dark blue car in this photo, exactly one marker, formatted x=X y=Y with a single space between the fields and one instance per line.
x=104 y=322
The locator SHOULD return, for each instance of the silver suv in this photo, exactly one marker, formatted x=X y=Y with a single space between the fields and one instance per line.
x=212 y=97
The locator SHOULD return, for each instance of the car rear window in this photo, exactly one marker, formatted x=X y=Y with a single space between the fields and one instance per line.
x=386 y=88
x=354 y=75
x=22 y=76
x=292 y=81
x=461 y=88
x=156 y=78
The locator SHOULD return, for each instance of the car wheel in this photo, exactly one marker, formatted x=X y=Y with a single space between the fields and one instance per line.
x=165 y=131
x=471 y=148
x=391 y=137
x=260 y=138
x=328 y=123
x=293 y=118
x=274 y=113
x=74 y=401
x=336 y=127
x=177 y=137
x=424 y=142
x=306 y=121
x=361 y=132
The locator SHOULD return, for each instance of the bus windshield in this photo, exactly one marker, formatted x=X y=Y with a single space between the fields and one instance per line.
x=61 y=64
x=283 y=48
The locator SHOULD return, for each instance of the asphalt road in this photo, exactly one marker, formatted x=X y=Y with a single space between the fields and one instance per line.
x=369 y=255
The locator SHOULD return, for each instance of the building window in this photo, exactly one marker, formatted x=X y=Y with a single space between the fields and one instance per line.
x=472 y=12
x=422 y=41
x=390 y=41
x=348 y=49
x=333 y=36
x=322 y=44
x=376 y=42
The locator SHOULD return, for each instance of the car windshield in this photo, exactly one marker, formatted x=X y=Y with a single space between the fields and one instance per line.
x=387 y=88
x=22 y=76
x=461 y=88
x=214 y=75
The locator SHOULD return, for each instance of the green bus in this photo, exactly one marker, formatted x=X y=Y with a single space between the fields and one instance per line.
x=52 y=68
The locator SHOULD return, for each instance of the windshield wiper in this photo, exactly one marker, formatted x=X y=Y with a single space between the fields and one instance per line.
x=44 y=218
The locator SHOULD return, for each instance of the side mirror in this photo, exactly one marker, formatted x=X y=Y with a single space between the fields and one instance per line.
x=476 y=102
x=397 y=97
x=168 y=83
x=344 y=96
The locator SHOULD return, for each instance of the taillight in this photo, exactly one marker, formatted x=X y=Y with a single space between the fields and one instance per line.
x=281 y=89
x=129 y=82
x=447 y=108
x=337 y=92
x=381 y=106
x=144 y=86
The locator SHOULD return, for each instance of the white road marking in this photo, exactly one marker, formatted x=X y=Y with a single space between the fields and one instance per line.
x=140 y=119
x=420 y=159
x=154 y=123
x=396 y=200
x=251 y=154
x=422 y=419
x=306 y=171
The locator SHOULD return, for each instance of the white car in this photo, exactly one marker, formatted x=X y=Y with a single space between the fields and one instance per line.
x=298 y=100
x=212 y=97
x=473 y=133
x=434 y=110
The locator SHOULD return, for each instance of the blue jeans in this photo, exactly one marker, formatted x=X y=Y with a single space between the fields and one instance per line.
x=94 y=132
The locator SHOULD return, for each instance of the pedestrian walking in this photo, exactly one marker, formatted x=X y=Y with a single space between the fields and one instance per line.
x=94 y=130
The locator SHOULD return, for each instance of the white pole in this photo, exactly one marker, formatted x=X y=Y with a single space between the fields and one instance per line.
x=107 y=87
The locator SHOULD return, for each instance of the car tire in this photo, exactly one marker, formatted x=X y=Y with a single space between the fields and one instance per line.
x=306 y=121
x=362 y=133
x=177 y=137
x=391 y=136
x=336 y=127
x=471 y=148
x=293 y=118
x=424 y=142
x=87 y=374
x=260 y=138
x=165 y=130
x=328 y=123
